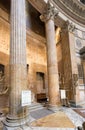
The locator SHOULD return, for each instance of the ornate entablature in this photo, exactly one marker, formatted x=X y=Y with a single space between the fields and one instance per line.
x=73 y=8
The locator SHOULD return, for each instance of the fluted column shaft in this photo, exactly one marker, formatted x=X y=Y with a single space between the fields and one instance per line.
x=18 y=80
x=53 y=81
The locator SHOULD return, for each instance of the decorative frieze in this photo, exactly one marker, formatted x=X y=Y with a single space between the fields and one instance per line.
x=74 y=6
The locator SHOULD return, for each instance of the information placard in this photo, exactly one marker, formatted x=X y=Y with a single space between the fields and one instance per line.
x=63 y=94
x=26 y=98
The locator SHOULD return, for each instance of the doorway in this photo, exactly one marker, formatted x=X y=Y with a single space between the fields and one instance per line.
x=41 y=91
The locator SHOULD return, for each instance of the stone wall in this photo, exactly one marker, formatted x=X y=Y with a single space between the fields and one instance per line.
x=4 y=54
x=36 y=56
x=33 y=21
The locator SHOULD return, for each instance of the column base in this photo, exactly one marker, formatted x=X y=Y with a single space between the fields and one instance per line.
x=74 y=104
x=17 y=124
x=54 y=108
x=17 y=128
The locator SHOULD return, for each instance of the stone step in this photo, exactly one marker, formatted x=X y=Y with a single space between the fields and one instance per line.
x=48 y=128
x=40 y=113
x=35 y=106
x=39 y=128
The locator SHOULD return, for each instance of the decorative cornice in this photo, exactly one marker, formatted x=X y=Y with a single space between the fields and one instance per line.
x=73 y=8
x=49 y=13
x=68 y=9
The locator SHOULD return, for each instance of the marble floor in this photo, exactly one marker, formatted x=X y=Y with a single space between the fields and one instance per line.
x=75 y=119
x=58 y=119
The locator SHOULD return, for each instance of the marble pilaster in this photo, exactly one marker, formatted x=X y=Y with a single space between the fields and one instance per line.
x=69 y=63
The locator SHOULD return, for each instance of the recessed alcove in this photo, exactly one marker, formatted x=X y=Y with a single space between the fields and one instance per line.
x=83 y=1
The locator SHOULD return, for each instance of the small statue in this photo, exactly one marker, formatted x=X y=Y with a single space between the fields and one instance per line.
x=3 y=88
x=1 y=81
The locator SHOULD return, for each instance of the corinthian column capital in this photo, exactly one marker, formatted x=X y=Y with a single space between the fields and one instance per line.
x=69 y=26
x=49 y=13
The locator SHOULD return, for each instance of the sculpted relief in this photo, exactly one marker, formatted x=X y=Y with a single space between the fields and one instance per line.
x=1 y=81
x=3 y=87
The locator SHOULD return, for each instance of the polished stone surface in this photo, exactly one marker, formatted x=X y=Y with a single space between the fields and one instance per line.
x=40 y=113
x=55 y=120
x=75 y=118
x=52 y=66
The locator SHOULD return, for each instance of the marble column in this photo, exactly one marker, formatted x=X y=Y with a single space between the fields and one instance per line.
x=18 y=82
x=52 y=65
